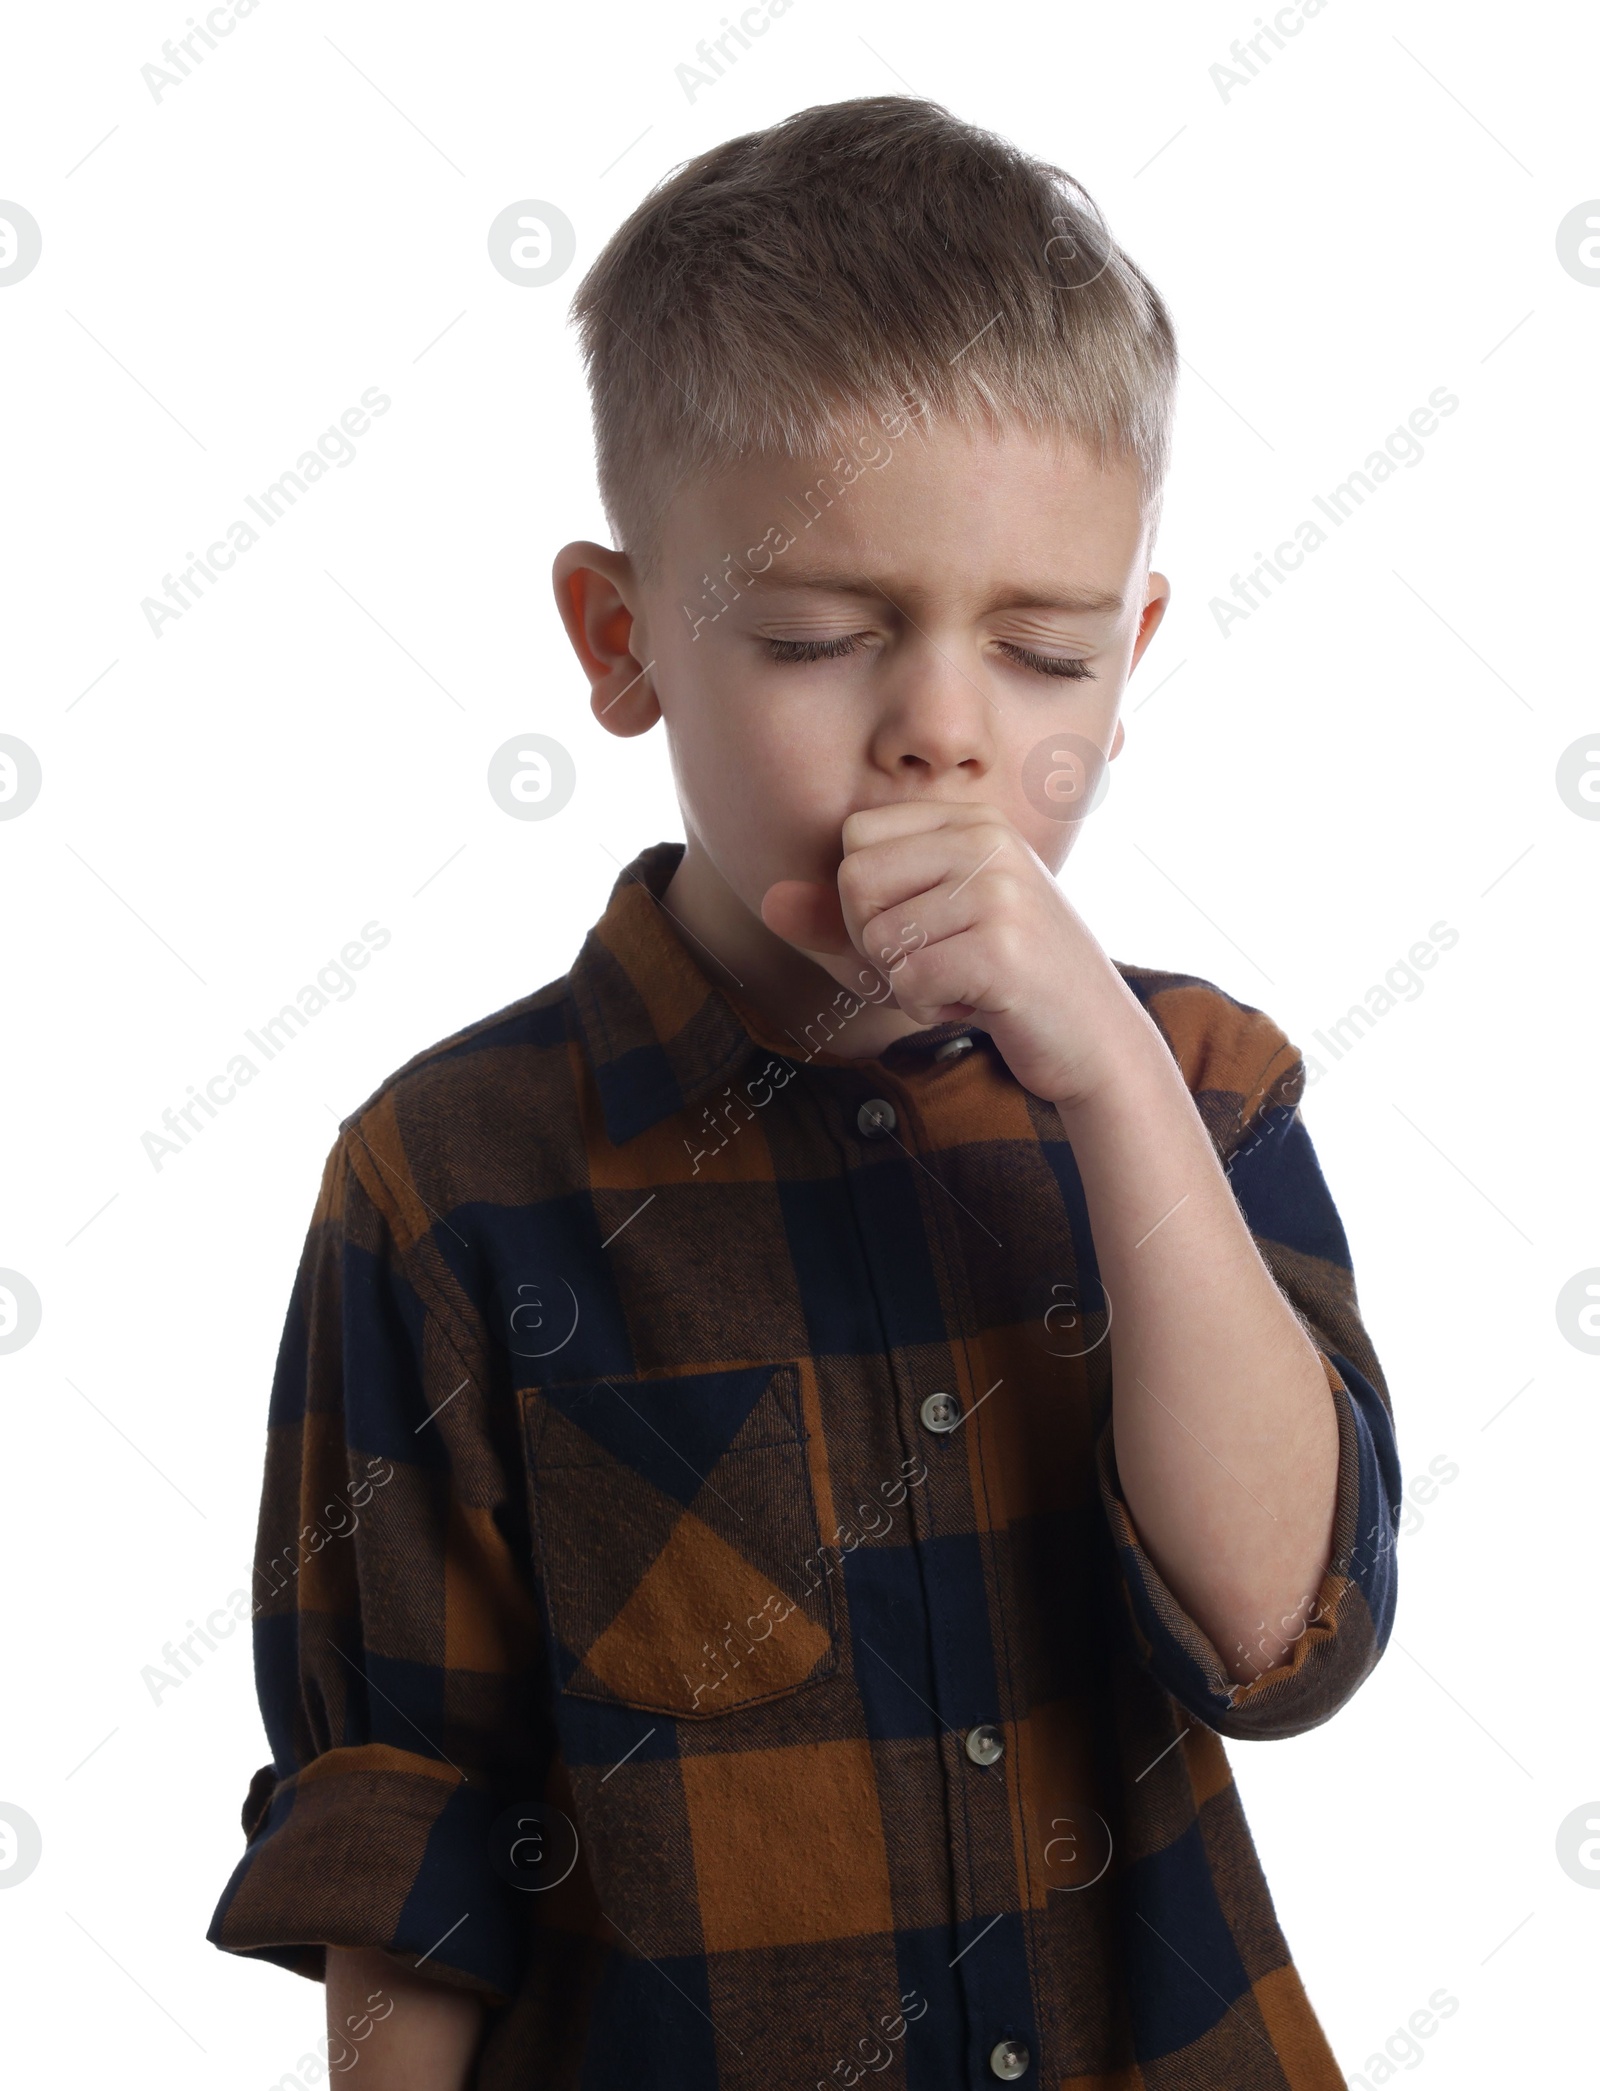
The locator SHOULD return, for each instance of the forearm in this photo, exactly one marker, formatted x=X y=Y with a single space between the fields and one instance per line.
x=1226 y=1438
x=426 y=2042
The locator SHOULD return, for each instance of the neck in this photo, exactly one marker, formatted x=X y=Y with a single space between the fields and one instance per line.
x=735 y=949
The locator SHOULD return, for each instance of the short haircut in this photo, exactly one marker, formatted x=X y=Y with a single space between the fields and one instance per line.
x=770 y=294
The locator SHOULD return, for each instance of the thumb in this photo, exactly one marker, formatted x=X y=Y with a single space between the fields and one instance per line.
x=806 y=913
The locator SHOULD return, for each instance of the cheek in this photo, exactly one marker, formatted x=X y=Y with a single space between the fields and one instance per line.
x=1051 y=840
x=772 y=765
x=1051 y=784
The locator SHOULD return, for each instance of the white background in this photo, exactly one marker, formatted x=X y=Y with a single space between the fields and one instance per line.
x=1371 y=217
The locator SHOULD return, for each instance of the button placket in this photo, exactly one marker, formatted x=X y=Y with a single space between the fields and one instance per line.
x=992 y=1993
x=984 y=2002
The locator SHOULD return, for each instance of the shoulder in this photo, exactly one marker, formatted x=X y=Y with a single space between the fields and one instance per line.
x=478 y=1117
x=1236 y=1061
x=483 y=1054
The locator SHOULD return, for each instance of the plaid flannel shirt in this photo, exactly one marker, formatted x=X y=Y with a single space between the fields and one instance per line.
x=696 y=1606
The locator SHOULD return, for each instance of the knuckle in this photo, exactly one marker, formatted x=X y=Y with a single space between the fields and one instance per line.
x=1011 y=944
x=854 y=878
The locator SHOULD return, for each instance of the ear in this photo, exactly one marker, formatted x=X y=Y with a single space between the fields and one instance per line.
x=595 y=592
x=1158 y=594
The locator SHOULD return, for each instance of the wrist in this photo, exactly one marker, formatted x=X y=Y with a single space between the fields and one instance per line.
x=1131 y=1069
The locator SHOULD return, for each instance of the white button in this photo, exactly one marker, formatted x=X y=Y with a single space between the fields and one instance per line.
x=985 y=1745
x=941 y=1412
x=875 y=1116
x=952 y=1049
x=1009 y=2059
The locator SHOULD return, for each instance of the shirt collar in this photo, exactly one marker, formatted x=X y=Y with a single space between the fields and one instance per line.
x=658 y=1033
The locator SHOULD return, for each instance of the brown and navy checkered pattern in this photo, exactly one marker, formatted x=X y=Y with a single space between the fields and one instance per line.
x=641 y=1695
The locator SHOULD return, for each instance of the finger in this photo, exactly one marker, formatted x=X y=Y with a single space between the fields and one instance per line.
x=900 y=873
x=943 y=911
x=910 y=817
x=942 y=983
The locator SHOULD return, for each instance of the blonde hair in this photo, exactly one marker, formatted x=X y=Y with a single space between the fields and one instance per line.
x=853 y=258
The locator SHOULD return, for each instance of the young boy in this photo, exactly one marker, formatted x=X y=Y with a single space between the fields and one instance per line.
x=793 y=1442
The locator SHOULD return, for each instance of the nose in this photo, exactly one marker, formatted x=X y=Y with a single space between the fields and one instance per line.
x=936 y=721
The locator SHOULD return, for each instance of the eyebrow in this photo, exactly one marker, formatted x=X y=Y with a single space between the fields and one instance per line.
x=1075 y=601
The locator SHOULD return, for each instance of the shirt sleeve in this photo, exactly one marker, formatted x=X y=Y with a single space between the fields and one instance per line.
x=1273 y=1170
x=396 y=1631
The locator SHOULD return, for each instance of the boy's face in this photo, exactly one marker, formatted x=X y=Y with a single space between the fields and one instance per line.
x=958 y=622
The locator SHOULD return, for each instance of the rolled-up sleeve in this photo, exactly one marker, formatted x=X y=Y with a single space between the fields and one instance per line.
x=396 y=1631
x=1344 y=1628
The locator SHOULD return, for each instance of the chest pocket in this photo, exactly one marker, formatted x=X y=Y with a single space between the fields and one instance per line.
x=676 y=1529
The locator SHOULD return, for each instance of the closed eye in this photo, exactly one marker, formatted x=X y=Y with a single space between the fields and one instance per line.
x=1050 y=663
x=1060 y=665
x=813 y=649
